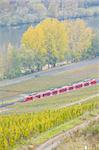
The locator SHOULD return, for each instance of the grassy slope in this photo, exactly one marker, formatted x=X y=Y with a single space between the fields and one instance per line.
x=46 y=82
x=58 y=129
x=55 y=101
x=88 y=137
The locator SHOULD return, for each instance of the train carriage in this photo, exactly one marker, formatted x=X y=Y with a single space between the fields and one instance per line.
x=70 y=88
x=55 y=92
x=77 y=86
x=47 y=93
x=62 y=90
x=93 y=82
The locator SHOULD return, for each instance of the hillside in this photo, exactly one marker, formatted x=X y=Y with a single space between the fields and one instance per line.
x=14 y=12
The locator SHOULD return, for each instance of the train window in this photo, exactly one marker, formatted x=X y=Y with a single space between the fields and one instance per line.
x=38 y=96
x=54 y=92
x=78 y=86
x=70 y=88
x=86 y=84
x=62 y=90
x=93 y=82
x=46 y=94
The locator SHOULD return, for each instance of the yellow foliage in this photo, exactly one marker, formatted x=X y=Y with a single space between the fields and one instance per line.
x=55 y=37
x=17 y=127
x=79 y=36
x=33 y=40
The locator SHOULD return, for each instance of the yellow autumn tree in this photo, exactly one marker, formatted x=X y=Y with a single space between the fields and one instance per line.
x=34 y=46
x=33 y=40
x=51 y=40
x=79 y=36
x=56 y=40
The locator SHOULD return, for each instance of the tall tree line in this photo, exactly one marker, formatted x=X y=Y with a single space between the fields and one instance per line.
x=50 y=42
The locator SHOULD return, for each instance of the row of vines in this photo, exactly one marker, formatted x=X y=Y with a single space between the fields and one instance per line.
x=16 y=127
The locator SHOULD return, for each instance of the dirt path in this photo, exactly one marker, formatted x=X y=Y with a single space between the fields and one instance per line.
x=55 y=141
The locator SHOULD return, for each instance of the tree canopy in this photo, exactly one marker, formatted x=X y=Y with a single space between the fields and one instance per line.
x=14 y=12
x=79 y=36
x=54 y=39
x=49 y=43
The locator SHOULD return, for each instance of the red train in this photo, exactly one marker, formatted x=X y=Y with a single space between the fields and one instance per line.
x=61 y=90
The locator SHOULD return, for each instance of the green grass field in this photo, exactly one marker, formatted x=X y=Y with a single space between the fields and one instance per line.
x=46 y=82
x=53 y=102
